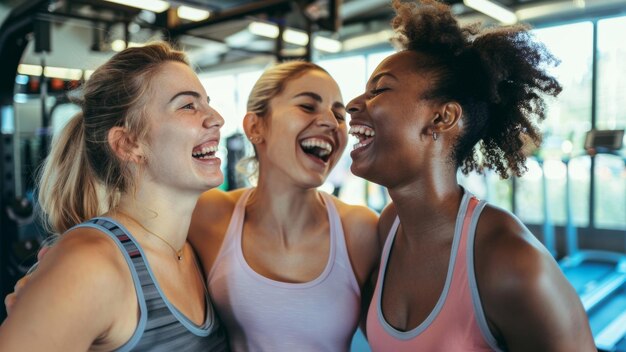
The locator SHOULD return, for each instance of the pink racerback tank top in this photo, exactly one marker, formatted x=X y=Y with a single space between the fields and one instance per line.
x=457 y=322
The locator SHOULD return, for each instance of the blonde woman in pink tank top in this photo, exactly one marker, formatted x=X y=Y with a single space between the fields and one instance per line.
x=456 y=274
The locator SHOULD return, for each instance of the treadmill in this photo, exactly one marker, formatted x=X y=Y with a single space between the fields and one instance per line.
x=595 y=274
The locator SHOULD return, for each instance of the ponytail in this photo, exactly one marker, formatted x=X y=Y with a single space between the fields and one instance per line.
x=68 y=188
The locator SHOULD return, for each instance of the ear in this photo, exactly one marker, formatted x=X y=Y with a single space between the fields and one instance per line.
x=124 y=146
x=253 y=126
x=447 y=117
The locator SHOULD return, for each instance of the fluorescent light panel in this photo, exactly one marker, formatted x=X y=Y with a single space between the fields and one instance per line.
x=63 y=73
x=31 y=70
x=293 y=36
x=119 y=45
x=492 y=9
x=263 y=29
x=50 y=71
x=192 y=14
x=150 y=5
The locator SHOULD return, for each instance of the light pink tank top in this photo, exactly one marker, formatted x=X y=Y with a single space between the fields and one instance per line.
x=261 y=314
x=457 y=322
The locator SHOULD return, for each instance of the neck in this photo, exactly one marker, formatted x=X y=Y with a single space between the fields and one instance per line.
x=427 y=204
x=288 y=211
x=166 y=215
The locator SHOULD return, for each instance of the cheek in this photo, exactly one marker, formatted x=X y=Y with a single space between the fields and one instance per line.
x=343 y=137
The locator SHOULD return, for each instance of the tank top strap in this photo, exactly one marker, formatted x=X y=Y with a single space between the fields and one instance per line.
x=234 y=230
x=338 y=240
x=468 y=255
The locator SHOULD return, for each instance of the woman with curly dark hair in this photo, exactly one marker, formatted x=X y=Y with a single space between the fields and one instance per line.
x=457 y=274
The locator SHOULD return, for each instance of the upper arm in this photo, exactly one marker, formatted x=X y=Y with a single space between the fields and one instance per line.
x=75 y=289
x=360 y=228
x=361 y=238
x=526 y=297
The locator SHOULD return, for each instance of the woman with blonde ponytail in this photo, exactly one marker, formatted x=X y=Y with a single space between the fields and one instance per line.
x=119 y=188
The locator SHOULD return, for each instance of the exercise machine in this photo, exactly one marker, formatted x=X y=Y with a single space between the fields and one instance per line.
x=594 y=274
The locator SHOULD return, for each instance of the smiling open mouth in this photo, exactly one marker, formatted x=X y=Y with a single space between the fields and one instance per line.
x=204 y=152
x=364 y=134
x=317 y=148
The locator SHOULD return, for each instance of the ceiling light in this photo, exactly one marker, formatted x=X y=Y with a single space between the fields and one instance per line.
x=63 y=73
x=150 y=5
x=192 y=14
x=263 y=29
x=50 y=71
x=327 y=44
x=119 y=45
x=293 y=36
x=492 y=9
x=31 y=70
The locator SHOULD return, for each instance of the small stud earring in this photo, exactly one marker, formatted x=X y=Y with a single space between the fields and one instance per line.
x=435 y=136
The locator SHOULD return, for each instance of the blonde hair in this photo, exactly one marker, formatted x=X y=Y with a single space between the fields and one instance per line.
x=82 y=178
x=271 y=83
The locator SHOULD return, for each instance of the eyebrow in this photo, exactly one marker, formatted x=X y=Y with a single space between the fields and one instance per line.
x=381 y=75
x=187 y=92
x=318 y=98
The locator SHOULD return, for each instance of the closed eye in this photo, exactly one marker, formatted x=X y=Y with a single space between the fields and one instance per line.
x=307 y=107
x=375 y=92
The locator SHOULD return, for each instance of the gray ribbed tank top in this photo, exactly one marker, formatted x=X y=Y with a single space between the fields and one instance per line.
x=161 y=326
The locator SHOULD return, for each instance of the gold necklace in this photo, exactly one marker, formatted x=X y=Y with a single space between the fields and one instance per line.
x=179 y=253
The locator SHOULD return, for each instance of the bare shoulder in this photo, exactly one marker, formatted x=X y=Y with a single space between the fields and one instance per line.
x=85 y=251
x=360 y=229
x=357 y=219
x=209 y=223
x=215 y=204
x=213 y=210
x=507 y=252
x=526 y=298
x=82 y=276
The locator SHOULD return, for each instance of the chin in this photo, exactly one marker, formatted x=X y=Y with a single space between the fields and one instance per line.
x=360 y=170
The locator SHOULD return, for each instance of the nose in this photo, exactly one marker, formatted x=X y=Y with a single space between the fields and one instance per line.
x=355 y=105
x=212 y=119
x=328 y=119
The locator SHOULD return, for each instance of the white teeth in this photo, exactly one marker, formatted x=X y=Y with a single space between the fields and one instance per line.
x=326 y=147
x=359 y=145
x=203 y=153
x=362 y=130
x=363 y=133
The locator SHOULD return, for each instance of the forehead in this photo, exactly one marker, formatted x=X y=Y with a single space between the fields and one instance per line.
x=315 y=81
x=173 y=77
x=399 y=64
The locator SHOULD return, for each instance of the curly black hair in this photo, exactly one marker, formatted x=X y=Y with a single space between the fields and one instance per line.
x=498 y=75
